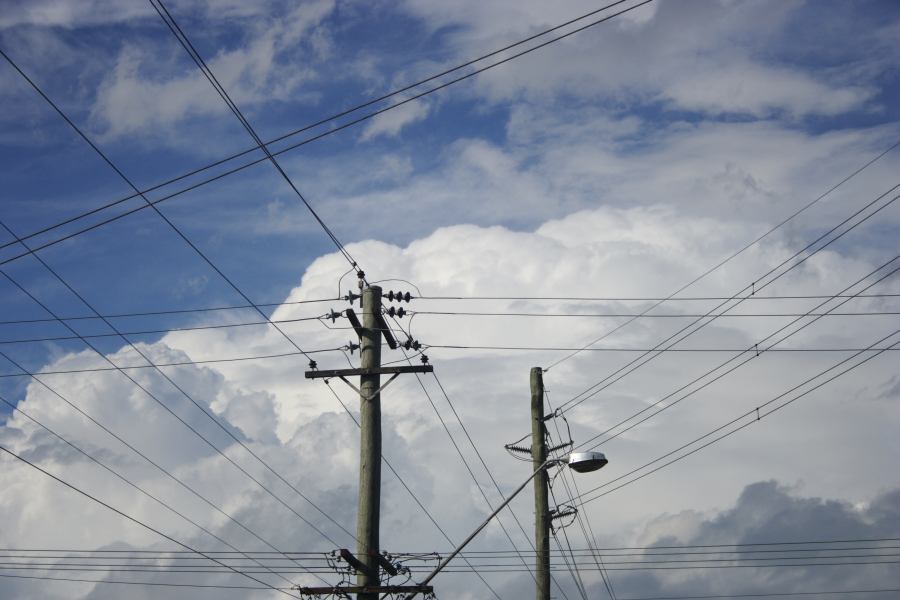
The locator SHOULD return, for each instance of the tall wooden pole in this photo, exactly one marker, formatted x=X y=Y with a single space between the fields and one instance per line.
x=541 y=484
x=369 y=508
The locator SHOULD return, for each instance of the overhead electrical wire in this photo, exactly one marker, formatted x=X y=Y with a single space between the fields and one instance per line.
x=465 y=462
x=219 y=326
x=185 y=42
x=750 y=417
x=176 y=311
x=815 y=545
x=210 y=76
x=124 y=178
x=156 y=499
x=751 y=353
x=445 y=313
x=412 y=494
x=642 y=350
x=753 y=287
x=133 y=519
x=154 y=365
x=196 y=249
x=168 y=409
x=325 y=120
x=459 y=453
x=323 y=564
x=752 y=243
x=295 y=302
x=583 y=521
x=640 y=298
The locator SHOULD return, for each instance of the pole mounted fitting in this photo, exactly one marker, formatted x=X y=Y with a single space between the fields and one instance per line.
x=398 y=296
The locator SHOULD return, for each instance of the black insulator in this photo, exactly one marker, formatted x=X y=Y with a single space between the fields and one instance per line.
x=416 y=345
x=391 y=311
x=407 y=296
x=333 y=316
x=400 y=312
x=407 y=344
x=390 y=295
x=312 y=365
x=424 y=359
x=350 y=297
x=352 y=347
x=361 y=274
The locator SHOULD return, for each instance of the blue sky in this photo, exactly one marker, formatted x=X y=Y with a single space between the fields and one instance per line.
x=624 y=160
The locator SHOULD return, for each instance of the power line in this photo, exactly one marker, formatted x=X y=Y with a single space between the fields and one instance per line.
x=817 y=545
x=589 y=539
x=754 y=414
x=324 y=121
x=168 y=507
x=159 y=402
x=296 y=302
x=472 y=474
x=752 y=243
x=645 y=350
x=181 y=363
x=171 y=311
x=640 y=298
x=320 y=318
x=133 y=519
x=60 y=338
x=206 y=259
x=641 y=315
x=753 y=352
x=411 y=493
x=752 y=289
x=185 y=42
x=145 y=583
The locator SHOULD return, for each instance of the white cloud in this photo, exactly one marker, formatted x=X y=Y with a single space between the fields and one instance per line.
x=640 y=251
x=390 y=123
x=694 y=57
x=134 y=97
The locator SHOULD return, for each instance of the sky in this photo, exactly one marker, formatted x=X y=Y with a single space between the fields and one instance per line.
x=695 y=151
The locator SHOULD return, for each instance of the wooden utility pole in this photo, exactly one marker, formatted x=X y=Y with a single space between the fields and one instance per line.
x=369 y=507
x=368 y=557
x=541 y=485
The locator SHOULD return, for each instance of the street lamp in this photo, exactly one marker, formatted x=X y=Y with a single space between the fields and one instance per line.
x=580 y=462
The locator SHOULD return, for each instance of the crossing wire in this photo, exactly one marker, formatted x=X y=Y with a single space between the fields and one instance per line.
x=183 y=236
x=212 y=327
x=589 y=539
x=135 y=520
x=407 y=358
x=185 y=42
x=752 y=243
x=331 y=131
x=157 y=500
x=754 y=351
x=465 y=462
x=581 y=397
x=447 y=313
x=755 y=415
x=183 y=392
x=411 y=493
x=782 y=546
x=573 y=567
x=180 y=363
x=295 y=302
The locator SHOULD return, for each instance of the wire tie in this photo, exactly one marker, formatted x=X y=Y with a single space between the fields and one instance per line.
x=757 y=413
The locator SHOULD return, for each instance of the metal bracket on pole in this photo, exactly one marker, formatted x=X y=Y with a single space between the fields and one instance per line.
x=329 y=373
x=373 y=394
x=379 y=320
x=356 y=589
x=353 y=561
